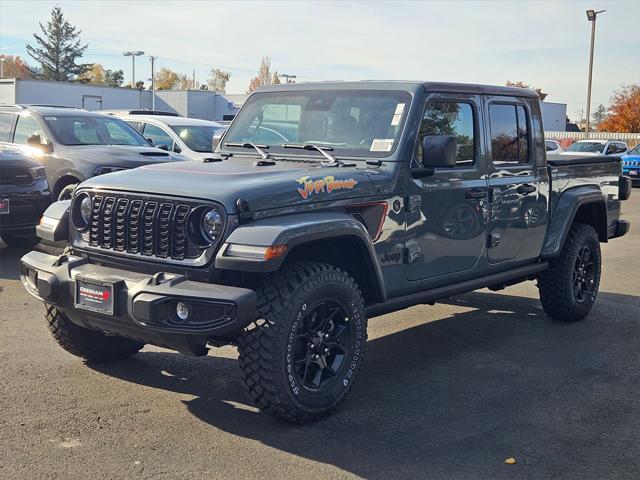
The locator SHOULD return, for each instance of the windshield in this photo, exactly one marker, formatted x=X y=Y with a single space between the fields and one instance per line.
x=635 y=151
x=593 y=147
x=93 y=130
x=198 y=138
x=355 y=123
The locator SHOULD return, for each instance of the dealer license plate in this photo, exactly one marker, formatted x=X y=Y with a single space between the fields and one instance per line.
x=94 y=295
x=4 y=206
x=633 y=172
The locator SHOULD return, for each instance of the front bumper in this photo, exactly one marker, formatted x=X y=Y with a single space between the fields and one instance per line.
x=144 y=306
x=26 y=208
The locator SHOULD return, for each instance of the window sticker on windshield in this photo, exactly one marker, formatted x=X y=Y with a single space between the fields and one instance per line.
x=395 y=120
x=51 y=118
x=381 y=145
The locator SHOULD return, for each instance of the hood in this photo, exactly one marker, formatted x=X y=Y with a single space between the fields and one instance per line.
x=119 y=155
x=288 y=183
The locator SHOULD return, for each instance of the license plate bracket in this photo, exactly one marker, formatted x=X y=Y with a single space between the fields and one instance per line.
x=94 y=295
x=4 y=206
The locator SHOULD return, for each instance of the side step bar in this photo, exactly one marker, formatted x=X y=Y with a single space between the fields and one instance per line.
x=429 y=296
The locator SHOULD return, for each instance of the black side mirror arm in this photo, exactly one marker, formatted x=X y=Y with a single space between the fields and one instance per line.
x=422 y=172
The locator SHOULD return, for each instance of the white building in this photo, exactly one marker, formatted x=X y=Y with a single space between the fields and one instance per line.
x=205 y=104
x=554 y=116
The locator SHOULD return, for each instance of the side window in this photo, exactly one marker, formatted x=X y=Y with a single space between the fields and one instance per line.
x=509 y=134
x=136 y=125
x=27 y=126
x=450 y=118
x=550 y=146
x=159 y=137
x=6 y=122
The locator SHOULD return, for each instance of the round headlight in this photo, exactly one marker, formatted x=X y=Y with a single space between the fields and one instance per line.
x=85 y=209
x=81 y=211
x=212 y=224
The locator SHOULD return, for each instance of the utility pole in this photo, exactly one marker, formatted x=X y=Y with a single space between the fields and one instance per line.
x=591 y=16
x=133 y=55
x=153 y=82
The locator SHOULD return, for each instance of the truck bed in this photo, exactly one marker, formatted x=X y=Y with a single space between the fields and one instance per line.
x=598 y=172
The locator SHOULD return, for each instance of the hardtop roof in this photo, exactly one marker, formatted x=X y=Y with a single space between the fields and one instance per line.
x=402 y=85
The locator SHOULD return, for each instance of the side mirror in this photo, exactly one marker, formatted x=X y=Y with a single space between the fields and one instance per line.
x=439 y=151
x=176 y=148
x=217 y=138
x=35 y=140
x=163 y=147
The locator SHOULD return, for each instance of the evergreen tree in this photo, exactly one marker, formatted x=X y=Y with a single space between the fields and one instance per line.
x=58 y=49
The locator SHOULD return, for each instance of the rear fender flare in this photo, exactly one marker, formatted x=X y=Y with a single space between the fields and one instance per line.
x=568 y=205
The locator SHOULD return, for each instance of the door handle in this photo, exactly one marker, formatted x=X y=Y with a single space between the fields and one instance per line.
x=476 y=193
x=526 y=188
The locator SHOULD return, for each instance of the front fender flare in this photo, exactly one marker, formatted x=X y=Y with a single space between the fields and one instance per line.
x=294 y=230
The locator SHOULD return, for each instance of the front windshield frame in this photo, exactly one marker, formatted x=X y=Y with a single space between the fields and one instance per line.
x=192 y=145
x=583 y=147
x=340 y=150
x=137 y=139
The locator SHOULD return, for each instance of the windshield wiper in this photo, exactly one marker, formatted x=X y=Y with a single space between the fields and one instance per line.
x=257 y=148
x=332 y=161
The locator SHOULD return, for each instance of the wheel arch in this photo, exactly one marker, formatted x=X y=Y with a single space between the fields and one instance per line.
x=331 y=237
x=63 y=181
x=585 y=204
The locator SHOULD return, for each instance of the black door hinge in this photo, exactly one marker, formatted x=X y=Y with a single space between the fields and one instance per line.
x=493 y=240
x=412 y=203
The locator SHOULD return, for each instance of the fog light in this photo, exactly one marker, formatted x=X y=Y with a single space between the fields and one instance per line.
x=182 y=311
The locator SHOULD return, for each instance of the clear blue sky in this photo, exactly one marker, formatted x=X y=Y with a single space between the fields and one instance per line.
x=544 y=43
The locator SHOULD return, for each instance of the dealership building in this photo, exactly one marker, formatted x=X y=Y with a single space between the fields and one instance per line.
x=205 y=104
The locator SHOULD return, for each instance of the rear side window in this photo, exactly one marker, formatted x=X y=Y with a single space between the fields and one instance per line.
x=509 y=134
x=450 y=118
x=6 y=122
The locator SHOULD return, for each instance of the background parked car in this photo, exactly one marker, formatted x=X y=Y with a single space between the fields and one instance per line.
x=75 y=144
x=597 y=147
x=24 y=196
x=631 y=165
x=191 y=137
x=553 y=147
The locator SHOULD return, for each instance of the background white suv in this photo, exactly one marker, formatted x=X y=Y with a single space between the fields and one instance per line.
x=192 y=137
x=597 y=147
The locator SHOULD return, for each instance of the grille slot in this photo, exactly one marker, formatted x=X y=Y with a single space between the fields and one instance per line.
x=15 y=176
x=150 y=227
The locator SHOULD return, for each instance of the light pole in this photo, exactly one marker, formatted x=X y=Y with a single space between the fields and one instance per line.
x=133 y=55
x=591 y=15
x=153 y=82
x=288 y=77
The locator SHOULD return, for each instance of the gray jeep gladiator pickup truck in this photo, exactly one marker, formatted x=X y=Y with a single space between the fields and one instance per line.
x=325 y=205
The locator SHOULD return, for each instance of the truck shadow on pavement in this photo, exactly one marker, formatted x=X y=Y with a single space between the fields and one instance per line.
x=454 y=398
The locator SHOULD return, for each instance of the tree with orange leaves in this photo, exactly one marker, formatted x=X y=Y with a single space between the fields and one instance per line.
x=624 y=112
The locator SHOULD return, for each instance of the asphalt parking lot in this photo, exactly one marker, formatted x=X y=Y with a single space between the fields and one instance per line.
x=448 y=391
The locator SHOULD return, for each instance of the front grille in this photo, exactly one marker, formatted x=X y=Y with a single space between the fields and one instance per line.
x=149 y=227
x=15 y=176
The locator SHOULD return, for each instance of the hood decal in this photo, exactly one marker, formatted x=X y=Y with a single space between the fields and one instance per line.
x=328 y=184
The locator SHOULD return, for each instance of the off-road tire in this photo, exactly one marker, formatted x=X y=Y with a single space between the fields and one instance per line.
x=267 y=365
x=20 y=240
x=91 y=345
x=556 y=283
